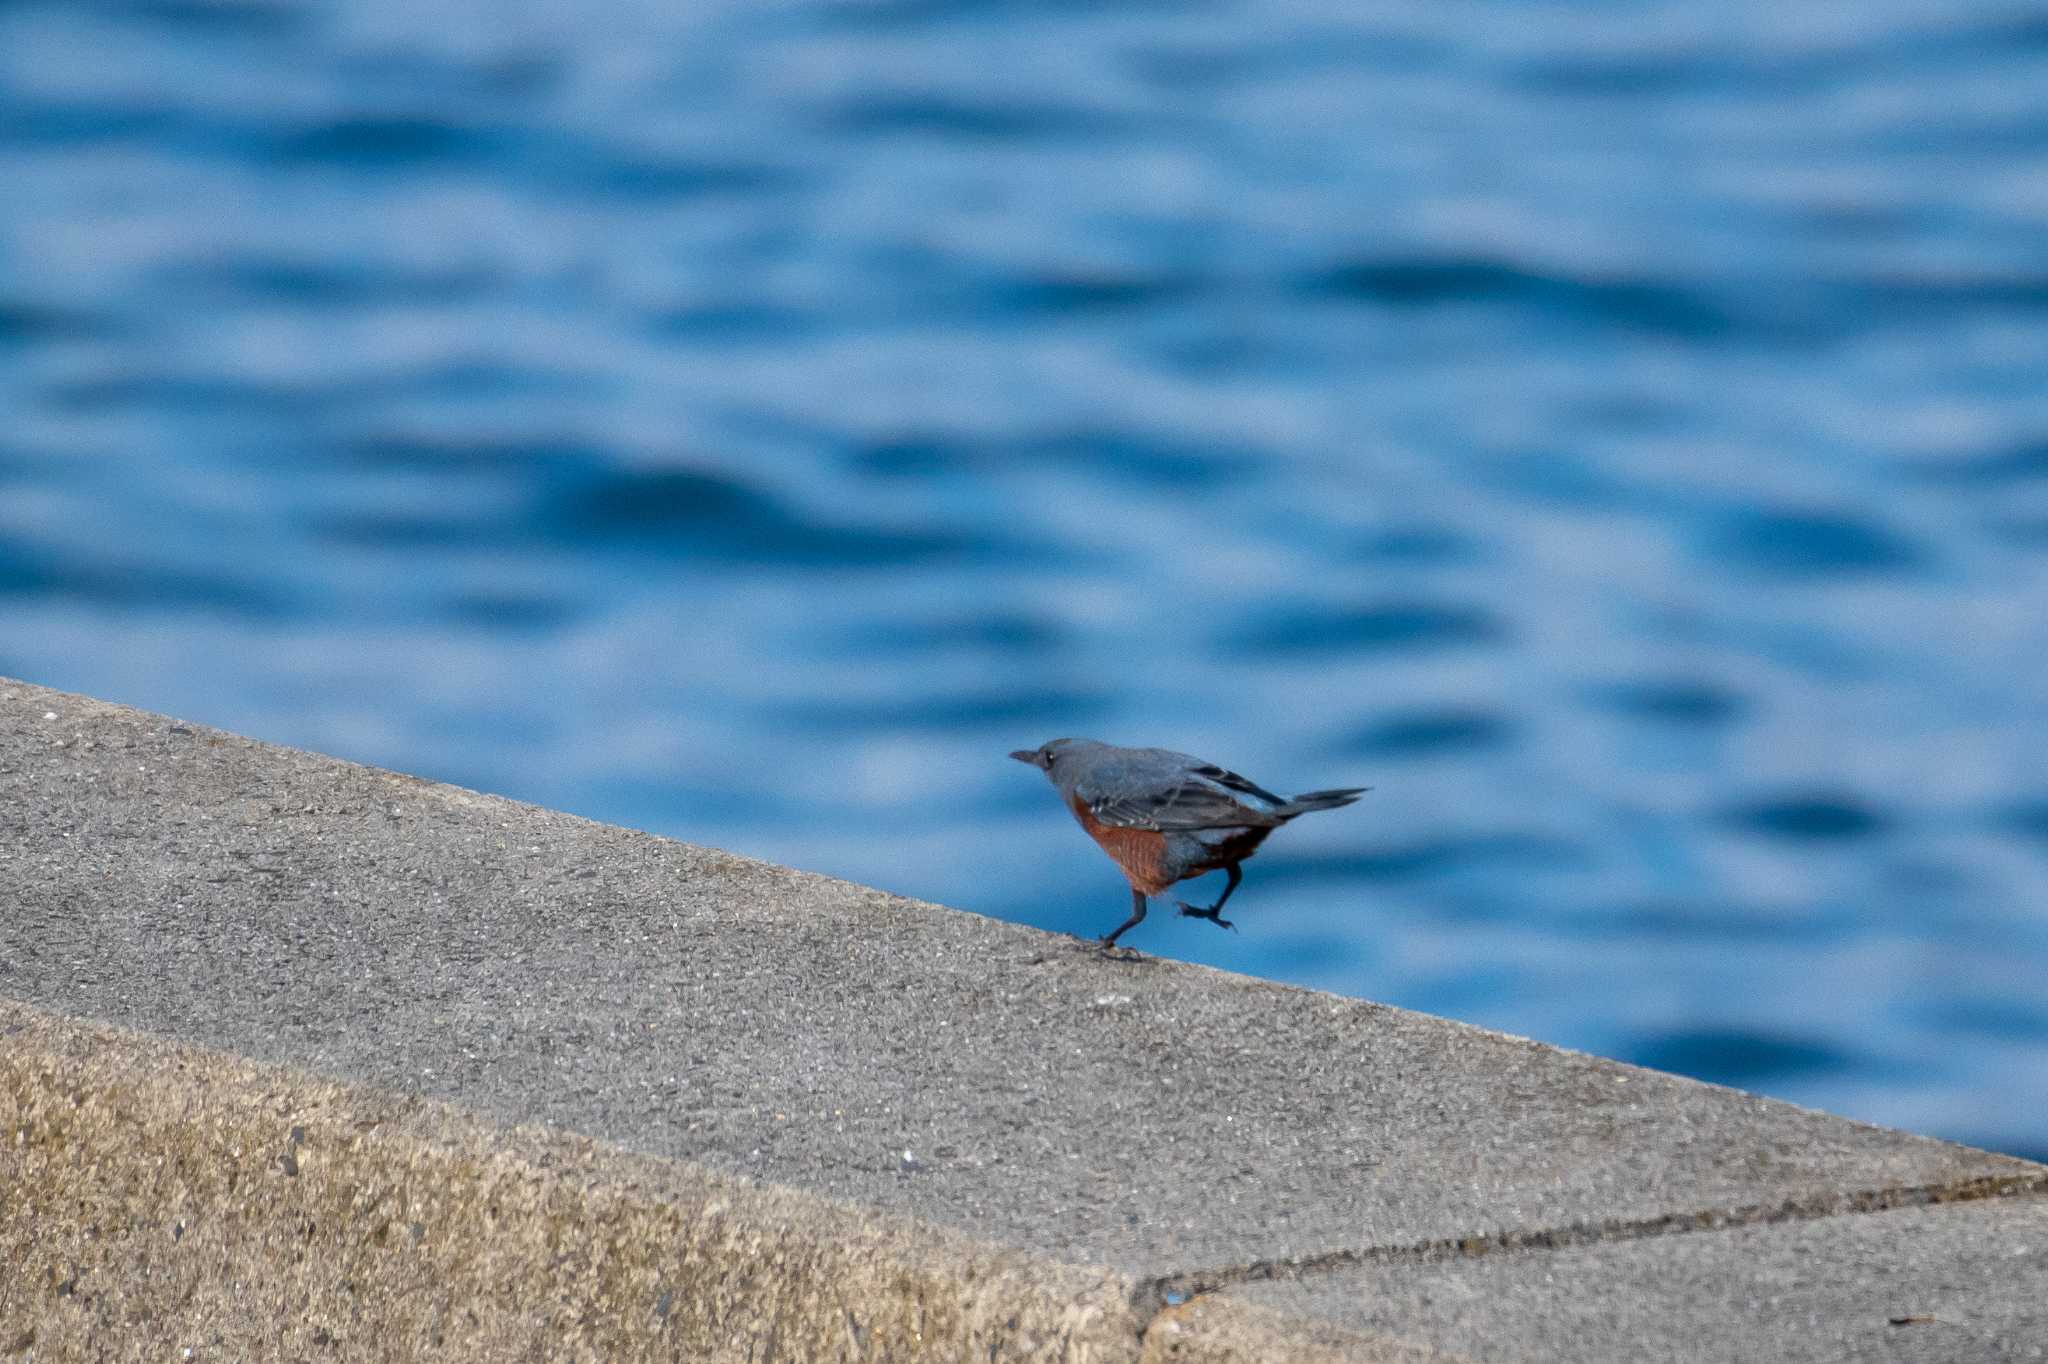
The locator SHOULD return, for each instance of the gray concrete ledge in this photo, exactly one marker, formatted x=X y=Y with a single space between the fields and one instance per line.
x=165 y=1198
x=304 y=1056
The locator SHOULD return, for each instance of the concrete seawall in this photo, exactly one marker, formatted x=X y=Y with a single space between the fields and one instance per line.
x=304 y=1060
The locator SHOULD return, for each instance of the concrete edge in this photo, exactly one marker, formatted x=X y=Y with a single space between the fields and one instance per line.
x=166 y=1194
x=163 y=1197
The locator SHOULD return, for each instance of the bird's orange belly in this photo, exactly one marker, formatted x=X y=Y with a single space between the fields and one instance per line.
x=1140 y=852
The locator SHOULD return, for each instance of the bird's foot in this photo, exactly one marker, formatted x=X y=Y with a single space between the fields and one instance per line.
x=1214 y=914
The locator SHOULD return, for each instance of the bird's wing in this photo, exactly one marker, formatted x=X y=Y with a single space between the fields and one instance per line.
x=1202 y=796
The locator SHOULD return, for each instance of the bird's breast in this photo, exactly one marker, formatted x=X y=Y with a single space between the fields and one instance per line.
x=1142 y=853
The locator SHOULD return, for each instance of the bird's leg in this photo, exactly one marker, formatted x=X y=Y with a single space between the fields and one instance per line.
x=1214 y=912
x=1137 y=917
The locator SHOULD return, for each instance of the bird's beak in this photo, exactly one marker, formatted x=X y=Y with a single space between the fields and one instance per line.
x=1026 y=755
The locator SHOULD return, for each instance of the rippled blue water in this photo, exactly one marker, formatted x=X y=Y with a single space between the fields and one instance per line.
x=1617 y=433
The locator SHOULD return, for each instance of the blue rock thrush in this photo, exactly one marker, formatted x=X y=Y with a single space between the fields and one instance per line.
x=1166 y=816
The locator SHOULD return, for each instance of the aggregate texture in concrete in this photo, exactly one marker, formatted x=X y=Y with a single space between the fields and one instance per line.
x=1193 y=1133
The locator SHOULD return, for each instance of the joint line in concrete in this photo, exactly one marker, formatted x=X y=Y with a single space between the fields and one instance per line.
x=1157 y=1293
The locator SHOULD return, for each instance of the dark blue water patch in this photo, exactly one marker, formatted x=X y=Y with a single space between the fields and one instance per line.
x=1808 y=818
x=690 y=513
x=1196 y=345
x=1432 y=857
x=889 y=15
x=1431 y=733
x=601 y=171
x=1142 y=457
x=315 y=283
x=454 y=527
x=2022 y=462
x=1029 y=708
x=23 y=573
x=386 y=142
x=512 y=612
x=418 y=134
x=1350 y=50
x=1025 y=297
x=26 y=322
x=1416 y=544
x=2028 y=818
x=422 y=73
x=1680 y=702
x=575 y=496
x=1390 y=627
x=944 y=116
x=915 y=455
x=1879 y=224
x=54 y=124
x=2012 y=132
x=211 y=395
x=999 y=631
x=1418 y=282
x=1627 y=411
x=1914 y=297
x=927 y=283
x=738 y=320
x=217 y=18
x=1807 y=545
x=533 y=458
x=1994 y=1020
x=2000 y=33
x=1753 y=71
x=51 y=575
x=480 y=377
x=1739 y=1057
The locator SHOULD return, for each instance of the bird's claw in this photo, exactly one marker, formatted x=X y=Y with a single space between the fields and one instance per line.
x=1213 y=914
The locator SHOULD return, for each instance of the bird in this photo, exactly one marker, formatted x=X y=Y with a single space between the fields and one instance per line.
x=1166 y=816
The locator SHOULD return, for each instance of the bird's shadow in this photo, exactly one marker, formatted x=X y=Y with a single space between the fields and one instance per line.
x=1076 y=946
x=1123 y=956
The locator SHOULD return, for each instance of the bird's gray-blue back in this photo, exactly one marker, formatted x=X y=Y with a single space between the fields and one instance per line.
x=1157 y=788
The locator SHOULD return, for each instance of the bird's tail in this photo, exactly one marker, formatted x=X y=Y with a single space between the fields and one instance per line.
x=1320 y=800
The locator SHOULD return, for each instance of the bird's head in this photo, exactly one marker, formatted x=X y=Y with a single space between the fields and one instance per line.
x=1045 y=755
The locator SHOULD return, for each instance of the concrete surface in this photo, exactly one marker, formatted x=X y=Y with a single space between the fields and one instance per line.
x=1187 y=1131
x=168 y=1203
x=1956 y=1281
